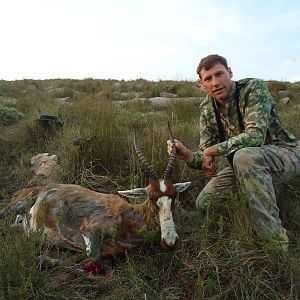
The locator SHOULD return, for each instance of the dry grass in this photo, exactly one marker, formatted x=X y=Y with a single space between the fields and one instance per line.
x=219 y=256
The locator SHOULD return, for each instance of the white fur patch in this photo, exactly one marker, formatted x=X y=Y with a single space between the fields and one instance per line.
x=163 y=187
x=33 y=211
x=168 y=231
x=21 y=220
x=88 y=245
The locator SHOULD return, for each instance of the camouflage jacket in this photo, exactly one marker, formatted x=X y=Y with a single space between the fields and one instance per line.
x=260 y=118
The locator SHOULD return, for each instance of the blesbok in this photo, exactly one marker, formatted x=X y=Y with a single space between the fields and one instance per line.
x=100 y=224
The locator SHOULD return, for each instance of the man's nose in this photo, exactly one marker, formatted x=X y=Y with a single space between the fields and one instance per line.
x=215 y=81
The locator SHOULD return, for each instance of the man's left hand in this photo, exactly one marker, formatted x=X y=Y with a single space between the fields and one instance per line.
x=209 y=165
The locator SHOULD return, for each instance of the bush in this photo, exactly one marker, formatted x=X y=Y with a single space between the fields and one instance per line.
x=9 y=115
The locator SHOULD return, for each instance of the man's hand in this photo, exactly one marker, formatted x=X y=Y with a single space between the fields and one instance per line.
x=182 y=152
x=209 y=165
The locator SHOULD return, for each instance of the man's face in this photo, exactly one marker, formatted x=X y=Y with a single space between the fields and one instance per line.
x=217 y=81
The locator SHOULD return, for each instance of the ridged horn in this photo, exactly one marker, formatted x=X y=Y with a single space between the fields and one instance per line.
x=169 y=169
x=151 y=171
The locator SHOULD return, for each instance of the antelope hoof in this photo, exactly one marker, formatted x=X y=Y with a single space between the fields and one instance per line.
x=168 y=248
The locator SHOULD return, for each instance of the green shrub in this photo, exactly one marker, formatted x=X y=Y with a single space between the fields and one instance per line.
x=9 y=115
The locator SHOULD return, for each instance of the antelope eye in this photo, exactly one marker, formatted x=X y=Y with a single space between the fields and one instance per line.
x=153 y=199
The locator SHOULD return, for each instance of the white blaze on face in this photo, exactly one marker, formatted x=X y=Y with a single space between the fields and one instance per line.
x=168 y=231
x=162 y=186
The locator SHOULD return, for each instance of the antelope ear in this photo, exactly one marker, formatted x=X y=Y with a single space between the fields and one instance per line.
x=180 y=187
x=134 y=193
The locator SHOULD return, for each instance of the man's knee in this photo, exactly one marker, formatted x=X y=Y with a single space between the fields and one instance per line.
x=247 y=160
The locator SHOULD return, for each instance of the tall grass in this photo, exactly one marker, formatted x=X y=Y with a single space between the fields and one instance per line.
x=20 y=275
x=219 y=256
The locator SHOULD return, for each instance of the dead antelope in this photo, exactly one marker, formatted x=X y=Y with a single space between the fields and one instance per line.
x=103 y=225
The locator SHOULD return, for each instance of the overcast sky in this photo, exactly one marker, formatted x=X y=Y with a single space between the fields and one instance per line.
x=150 y=39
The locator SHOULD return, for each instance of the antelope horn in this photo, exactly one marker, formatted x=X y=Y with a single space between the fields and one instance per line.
x=169 y=169
x=151 y=171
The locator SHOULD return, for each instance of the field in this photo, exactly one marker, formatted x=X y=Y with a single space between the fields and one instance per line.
x=219 y=256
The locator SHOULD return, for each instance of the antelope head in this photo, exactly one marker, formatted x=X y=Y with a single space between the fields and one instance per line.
x=161 y=194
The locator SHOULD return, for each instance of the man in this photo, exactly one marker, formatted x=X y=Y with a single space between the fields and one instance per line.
x=239 y=120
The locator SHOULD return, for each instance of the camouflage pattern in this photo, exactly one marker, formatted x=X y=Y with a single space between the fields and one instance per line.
x=266 y=153
x=255 y=171
x=260 y=117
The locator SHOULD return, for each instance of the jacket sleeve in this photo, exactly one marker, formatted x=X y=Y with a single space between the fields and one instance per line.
x=256 y=118
x=208 y=134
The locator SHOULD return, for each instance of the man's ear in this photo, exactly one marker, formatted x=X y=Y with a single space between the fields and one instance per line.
x=230 y=72
x=201 y=83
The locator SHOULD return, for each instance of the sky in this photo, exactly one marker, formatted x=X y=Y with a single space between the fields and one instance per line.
x=150 y=39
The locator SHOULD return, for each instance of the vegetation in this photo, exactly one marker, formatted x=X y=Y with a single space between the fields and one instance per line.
x=219 y=256
x=9 y=115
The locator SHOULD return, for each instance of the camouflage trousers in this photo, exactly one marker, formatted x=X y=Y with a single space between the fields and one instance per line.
x=256 y=170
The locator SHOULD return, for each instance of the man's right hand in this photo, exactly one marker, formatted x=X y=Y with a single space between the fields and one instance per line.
x=182 y=152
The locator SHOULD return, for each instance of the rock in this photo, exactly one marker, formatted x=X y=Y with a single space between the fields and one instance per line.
x=64 y=100
x=43 y=164
x=168 y=95
x=52 y=89
x=285 y=100
x=49 y=123
x=283 y=94
x=125 y=95
x=163 y=101
x=160 y=101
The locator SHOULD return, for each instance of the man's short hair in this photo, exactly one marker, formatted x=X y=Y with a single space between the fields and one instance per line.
x=209 y=61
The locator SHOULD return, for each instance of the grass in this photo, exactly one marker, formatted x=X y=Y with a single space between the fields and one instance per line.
x=219 y=256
